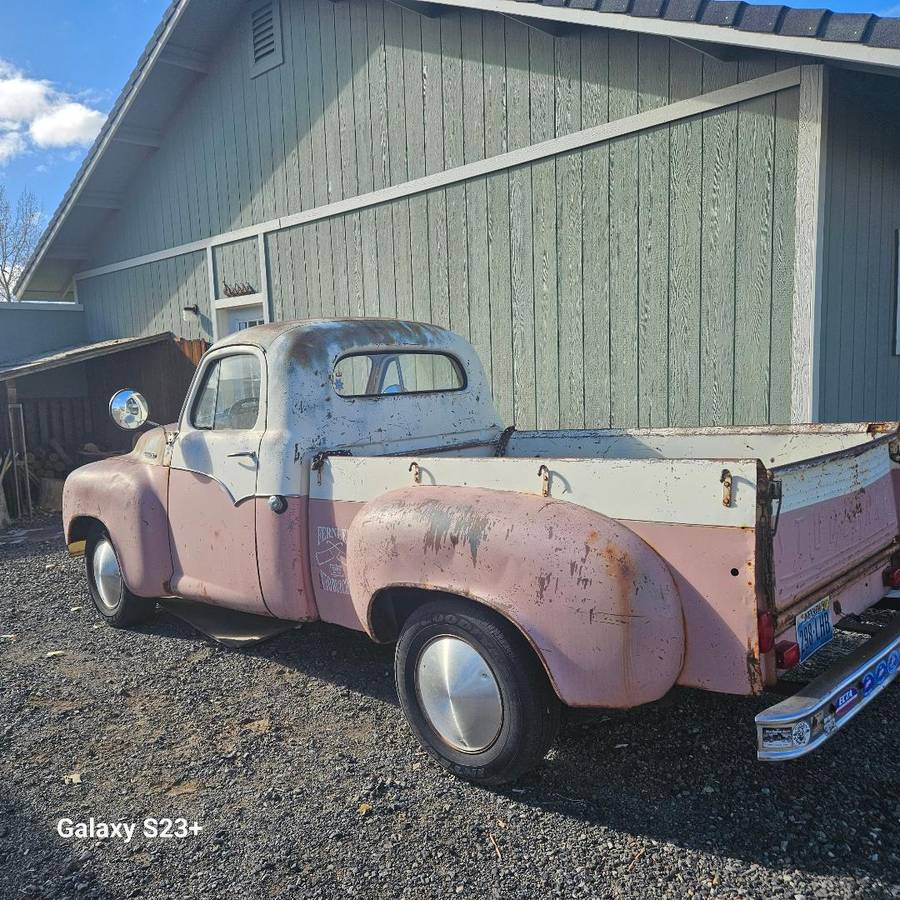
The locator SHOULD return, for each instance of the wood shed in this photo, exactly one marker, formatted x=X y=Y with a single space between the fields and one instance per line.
x=53 y=408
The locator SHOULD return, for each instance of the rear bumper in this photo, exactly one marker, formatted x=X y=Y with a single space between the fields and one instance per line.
x=799 y=724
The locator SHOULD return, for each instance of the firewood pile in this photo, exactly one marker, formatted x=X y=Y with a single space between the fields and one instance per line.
x=51 y=461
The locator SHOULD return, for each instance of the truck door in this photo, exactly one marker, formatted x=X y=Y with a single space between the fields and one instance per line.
x=212 y=486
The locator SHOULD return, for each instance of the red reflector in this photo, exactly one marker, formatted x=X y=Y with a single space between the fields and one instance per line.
x=766 y=632
x=892 y=577
x=787 y=654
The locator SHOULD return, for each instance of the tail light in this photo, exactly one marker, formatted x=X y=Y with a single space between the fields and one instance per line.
x=766 y=632
x=787 y=654
x=892 y=577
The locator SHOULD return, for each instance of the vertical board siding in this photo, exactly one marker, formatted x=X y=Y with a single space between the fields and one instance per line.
x=718 y=250
x=784 y=194
x=148 y=300
x=644 y=281
x=685 y=242
x=569 y=251
x=753 y=237
x=236 y=263
x=624 y=237
x=859 y=369
x=654 y=176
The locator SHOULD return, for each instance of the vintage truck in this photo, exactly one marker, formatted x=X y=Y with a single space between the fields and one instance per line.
x=356 y=472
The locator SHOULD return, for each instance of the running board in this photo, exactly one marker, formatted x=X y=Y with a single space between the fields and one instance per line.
x=227 y=626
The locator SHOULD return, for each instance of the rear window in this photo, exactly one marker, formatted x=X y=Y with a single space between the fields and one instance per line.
x=390 y=372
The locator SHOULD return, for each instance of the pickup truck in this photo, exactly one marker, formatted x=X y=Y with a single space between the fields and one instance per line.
x=356 y=472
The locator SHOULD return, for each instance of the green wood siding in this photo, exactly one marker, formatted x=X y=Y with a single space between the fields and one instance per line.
x=236 y=263
x=148 y=300
x=859 y=371
x=646 y=280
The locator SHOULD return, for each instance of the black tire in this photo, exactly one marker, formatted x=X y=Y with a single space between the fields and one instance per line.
x=530 y=708
x=124 y=609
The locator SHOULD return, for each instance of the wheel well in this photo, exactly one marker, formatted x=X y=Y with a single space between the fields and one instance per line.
x=82 y=527
x=392 y=606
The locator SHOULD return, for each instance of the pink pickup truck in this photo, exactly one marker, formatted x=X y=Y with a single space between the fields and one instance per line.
x=357 y=472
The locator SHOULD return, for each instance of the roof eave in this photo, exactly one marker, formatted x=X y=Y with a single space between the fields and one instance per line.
x=837 y=51
x=120 y=109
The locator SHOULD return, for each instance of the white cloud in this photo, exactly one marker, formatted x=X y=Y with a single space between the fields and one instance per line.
x=33 y=113
x=12 y=143
x=67 y=125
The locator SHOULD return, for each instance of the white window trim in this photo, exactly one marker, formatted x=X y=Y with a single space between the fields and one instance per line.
x=223 y=304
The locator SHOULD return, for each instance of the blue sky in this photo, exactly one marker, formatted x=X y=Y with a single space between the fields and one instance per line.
x=63 y=63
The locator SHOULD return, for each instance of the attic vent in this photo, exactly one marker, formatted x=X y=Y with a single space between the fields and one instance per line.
x=265 y=37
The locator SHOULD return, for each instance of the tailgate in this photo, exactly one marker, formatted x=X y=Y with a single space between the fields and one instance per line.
x=835 y=512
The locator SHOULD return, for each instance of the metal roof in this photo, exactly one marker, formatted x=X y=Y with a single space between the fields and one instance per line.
x=190 y=29
x=44 y=361
x=821 y=24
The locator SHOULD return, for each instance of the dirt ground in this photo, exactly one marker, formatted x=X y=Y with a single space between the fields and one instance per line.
x=294 y=760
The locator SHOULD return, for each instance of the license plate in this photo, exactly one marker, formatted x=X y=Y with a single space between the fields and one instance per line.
x=814 y=628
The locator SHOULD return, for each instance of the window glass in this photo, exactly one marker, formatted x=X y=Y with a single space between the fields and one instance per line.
x=205 y=405
x=376 y=374
x=229 y=398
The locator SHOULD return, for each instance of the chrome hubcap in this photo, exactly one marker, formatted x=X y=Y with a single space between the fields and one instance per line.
x=107 y=576
x=459 y=694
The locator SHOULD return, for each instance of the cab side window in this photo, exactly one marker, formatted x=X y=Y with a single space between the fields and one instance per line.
x=229 y=398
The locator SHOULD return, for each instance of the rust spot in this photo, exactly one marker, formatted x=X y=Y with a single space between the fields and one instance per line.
x=754 y=673
x=543 y=584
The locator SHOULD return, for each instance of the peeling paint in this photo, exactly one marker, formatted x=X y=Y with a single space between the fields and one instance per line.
x=454 y=523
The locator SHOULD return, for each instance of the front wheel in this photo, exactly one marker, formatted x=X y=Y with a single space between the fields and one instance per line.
x=112 y=599
x=473 y=692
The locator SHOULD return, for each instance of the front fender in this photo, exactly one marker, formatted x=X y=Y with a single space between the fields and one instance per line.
x=597 y=603
x=128 y=497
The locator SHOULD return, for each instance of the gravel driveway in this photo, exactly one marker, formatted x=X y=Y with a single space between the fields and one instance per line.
x=295 y=760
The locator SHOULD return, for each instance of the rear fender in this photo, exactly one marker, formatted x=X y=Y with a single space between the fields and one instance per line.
x=597 y=603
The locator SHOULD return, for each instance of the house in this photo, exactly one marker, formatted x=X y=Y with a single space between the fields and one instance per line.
x=641 y=212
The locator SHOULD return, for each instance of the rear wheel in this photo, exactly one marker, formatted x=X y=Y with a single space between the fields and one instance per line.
x=112 y=599
x=473 y=692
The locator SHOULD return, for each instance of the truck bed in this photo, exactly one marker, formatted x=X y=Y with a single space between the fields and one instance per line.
x=804 y=507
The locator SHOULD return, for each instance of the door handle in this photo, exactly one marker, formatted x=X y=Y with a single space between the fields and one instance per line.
x=249 y=454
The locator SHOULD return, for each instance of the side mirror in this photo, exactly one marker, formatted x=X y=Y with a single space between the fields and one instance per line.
x=128 y=409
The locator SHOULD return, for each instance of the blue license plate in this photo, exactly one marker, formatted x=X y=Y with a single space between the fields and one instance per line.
x=814 y=628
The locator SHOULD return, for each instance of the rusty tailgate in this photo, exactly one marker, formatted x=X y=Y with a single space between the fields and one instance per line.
x=834 y=512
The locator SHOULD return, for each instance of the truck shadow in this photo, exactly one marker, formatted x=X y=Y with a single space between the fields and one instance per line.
x=682 y=770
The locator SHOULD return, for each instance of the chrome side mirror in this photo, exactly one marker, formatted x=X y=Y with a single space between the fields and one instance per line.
x=128 y=409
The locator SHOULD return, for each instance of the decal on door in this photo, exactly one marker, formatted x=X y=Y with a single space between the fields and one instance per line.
x=331 y=558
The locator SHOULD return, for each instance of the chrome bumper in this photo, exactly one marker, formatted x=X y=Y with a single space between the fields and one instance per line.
x=807 y=719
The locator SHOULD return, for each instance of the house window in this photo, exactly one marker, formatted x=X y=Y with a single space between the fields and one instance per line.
x=265 y=37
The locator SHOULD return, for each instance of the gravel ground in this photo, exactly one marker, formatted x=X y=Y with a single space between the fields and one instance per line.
x=295 y=760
